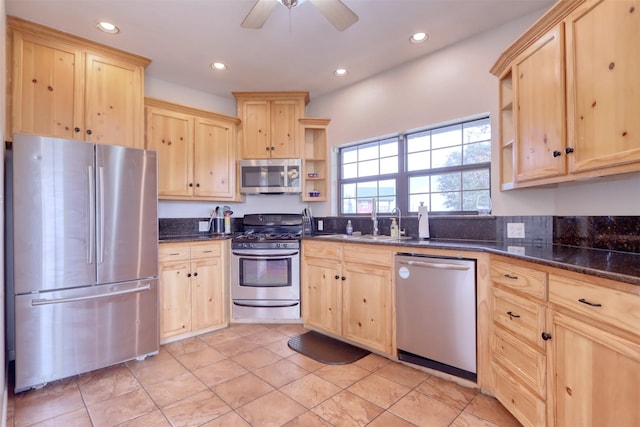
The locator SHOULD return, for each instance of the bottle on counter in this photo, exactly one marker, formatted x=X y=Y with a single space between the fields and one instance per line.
x=394 y=232
x=349 y=228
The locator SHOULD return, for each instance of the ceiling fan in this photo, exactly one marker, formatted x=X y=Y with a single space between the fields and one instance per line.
x=335 y=11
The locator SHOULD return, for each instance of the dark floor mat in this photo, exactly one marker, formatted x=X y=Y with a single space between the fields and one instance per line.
x=325 y=349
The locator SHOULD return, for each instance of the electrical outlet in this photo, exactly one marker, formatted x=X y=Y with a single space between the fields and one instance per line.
x=520 y=250
x=203 y=225
x=320 y=225
x=515 y=230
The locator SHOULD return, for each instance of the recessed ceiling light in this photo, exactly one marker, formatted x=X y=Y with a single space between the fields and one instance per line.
x=107 y=27
x=218 y=66
x=341 y=72
x=418 y=37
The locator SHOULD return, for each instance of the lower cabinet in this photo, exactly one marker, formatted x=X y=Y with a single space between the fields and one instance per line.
x=565 y=347
x=192 y=288
x=347 y=292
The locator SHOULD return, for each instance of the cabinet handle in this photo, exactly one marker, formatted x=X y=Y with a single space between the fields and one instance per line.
x=509 y=276
x=557 y=153
x=510 y=313
x=592 y=304
x=568 y=150
x=76 y=129
x=89 y=132
x=546 y=336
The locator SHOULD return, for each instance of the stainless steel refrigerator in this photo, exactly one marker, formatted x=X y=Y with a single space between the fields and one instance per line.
x=84 y=251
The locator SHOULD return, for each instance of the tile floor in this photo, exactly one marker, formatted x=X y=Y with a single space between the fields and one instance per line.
x=246 y=375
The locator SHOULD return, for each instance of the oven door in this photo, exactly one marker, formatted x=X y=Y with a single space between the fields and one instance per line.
x=265 y=274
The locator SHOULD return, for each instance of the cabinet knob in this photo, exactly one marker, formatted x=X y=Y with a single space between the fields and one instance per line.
x=198 y=185
x=89 y=132
x=267 y=148
x=343 y=278
x=76 y=129
x=546 y=336
x=273 y=148
x=568 y=150
x=195 y=274
x=337 y=277
x=188 y=274
x=191 y=184
x=557 y=153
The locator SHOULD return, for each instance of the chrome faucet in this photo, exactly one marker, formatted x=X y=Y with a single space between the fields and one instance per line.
x=397 y=210
x=374 y=216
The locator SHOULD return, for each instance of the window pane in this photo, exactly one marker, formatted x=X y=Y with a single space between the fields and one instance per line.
x=418 y=142
x=475 y=179
x=446 y=202
x=350 y=154
x=389 y=165
x=350 y=171
x=367 y=189
x=386 y=204
x=364 y=205
x=446 y=137
x=416 y=199
x=389 y=148
x=479 y=152
x=418 y=184
x=387 y=187
x=446 y=182
x=447 y=157
x=368 y=151
x=348 y=206
x=368 y=168
x=348 y=190
x=476 y=131
x=419 y=161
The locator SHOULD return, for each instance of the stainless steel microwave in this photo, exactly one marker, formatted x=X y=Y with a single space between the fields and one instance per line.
x=270 y=176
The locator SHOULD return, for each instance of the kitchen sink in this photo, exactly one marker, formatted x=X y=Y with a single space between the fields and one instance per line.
x=366 y=237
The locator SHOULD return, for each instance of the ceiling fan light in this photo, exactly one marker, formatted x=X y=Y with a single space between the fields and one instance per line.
x=108 y=27
x=419 y=37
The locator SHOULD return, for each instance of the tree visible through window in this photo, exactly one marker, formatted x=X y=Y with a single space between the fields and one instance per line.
x=447 y=168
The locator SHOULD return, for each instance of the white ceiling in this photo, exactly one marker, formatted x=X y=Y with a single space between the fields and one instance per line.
x=293 y=51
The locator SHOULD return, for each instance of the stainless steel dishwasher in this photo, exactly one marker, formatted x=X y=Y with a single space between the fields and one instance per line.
x=436 y=313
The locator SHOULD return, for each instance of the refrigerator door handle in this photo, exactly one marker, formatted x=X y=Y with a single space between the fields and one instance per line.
x=92 y=216
x=45 y=301
x=100 y=219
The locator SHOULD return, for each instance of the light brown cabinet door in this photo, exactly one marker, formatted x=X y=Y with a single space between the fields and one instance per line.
x=284 y=129
x=603 y=65
x=207 y=292
x=175 y=298
x=256 y=130
x=214 y=160
x=114 y=102
x=595 y=376
x=540 y=109
x=322 y=297
x=47 y=94
x=366 y=306
x=170 y=134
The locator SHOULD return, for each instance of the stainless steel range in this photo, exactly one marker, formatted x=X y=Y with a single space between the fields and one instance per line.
x=265 y=266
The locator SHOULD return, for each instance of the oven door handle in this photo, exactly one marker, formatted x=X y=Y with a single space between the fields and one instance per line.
x=265 y=255
x=293 y=304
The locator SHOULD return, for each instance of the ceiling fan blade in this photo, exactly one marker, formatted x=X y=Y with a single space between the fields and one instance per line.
x=336 y=12
x=258 y=14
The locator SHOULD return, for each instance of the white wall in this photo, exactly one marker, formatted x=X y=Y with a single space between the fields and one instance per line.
x=454 y=83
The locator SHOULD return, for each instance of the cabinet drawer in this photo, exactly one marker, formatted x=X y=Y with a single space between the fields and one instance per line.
x=519 y=278
x=523 y=361
x=368 y=254
x=322 y=250
x=524 y=405
x=173 y=252
x=205 y=250
x=607 y=305
x=524 y=318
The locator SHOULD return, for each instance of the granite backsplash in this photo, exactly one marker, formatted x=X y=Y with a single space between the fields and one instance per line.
x=619 y=233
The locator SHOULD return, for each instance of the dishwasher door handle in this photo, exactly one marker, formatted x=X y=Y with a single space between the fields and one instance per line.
x=442 y=266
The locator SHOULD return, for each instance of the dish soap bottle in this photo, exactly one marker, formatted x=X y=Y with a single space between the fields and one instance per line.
x=394 y=228
x=349 y=228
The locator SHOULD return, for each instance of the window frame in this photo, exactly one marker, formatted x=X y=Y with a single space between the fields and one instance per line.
x=403 y=176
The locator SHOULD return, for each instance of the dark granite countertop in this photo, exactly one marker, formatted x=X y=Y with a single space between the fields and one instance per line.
x=193 y=237
x=614 y=265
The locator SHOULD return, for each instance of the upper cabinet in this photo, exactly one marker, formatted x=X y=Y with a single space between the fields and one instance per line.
x=270 y=127
x=197 y=152
x=67 y=87
x=567 y=109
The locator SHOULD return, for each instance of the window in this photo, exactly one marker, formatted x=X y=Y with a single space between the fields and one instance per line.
x=447 y=168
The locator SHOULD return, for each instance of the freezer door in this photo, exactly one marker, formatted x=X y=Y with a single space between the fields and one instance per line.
x=64 y=333
x=53 y=188
x=127 y=214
